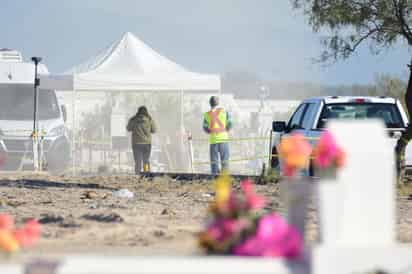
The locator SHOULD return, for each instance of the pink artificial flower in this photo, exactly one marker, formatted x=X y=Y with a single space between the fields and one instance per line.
x=234 y=226
x=328 y=152
x=33 y=228
x=274 y=238
x=253 y=200
x=214 y=232
x=223 y=233
x=235 y=204
x=29 y=234
x=283 y=239
x=224 y=229
x=6 y=222
x=289 y=171
x=253 y=246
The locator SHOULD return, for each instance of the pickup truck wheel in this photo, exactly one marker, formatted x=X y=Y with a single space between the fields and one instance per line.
x=311 y=169
x=274 y=162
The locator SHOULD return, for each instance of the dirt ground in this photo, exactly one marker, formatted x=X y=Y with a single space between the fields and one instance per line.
x=81 y=214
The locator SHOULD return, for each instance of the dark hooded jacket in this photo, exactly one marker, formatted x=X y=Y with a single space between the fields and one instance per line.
x=142 y=126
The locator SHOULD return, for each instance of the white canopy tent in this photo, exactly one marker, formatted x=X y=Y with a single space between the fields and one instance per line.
x=129 y=65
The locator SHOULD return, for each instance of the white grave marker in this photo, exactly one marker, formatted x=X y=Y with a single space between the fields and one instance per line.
x=367 y=183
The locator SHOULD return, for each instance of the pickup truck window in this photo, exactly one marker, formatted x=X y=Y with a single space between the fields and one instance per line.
x=309 y=117
x=296 y=121
x=388 y=113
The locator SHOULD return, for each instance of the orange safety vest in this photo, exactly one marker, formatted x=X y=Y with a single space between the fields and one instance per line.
x=216 y=125
x=217 y=121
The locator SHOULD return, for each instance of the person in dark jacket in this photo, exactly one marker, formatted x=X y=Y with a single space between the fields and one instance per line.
x=142 y=127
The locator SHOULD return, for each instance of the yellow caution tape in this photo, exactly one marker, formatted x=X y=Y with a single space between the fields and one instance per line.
x=242 y=159
x=234 y=160
x=245 y=139
x=233 y=139
x=38 y=134
x=261 y=138
x=29 y=133
x=95 y=142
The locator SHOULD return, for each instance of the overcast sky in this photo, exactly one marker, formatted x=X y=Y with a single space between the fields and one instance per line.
x=262 y=36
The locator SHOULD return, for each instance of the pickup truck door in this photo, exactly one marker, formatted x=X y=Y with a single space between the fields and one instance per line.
x=303 y=122
x=295 y=123
x=310 y=121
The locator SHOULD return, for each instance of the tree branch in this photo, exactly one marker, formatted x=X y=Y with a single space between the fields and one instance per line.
x=400 y=14
x=350 y=23
x=363 y=38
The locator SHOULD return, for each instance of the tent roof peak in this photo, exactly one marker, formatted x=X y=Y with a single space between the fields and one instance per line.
x=131 y=65
x=128 y=55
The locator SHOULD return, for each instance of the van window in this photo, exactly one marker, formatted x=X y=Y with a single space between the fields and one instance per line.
x=296 y=121
x=17 y=103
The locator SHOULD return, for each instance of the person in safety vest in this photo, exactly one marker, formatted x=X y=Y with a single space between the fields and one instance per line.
x=142 y=127
x=217 y=122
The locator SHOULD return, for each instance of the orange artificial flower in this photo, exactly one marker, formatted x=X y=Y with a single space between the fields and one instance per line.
x=8 y=242
x=294 y=151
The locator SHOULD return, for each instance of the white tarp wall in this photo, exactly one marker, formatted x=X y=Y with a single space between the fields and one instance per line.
x=250 y=121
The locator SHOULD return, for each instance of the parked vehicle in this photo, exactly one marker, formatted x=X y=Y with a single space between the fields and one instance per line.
x=16 y=116
x=311 y=116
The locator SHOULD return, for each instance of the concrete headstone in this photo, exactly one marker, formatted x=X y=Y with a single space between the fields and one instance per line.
x=367 y=183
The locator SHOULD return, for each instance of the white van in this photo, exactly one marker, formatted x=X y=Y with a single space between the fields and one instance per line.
x=16 y=116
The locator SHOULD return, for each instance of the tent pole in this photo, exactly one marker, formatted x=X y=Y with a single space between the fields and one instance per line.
x=182 y=126
x=74 y=133
x=181 y=109
x=109 y=152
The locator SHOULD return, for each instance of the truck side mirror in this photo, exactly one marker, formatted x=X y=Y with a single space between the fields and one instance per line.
x=279 y=126
x=64 y=112
x=322 y=123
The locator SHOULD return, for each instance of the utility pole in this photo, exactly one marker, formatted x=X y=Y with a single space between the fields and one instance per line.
x=35 y=133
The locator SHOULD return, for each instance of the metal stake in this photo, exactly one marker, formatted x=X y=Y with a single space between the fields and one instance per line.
x=35 y=133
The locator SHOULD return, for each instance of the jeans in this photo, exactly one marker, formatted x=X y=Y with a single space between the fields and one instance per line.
x=141 y=154
x=216 y=150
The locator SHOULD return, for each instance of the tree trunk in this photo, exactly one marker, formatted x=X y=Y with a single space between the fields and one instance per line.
x=408 y=94
x=407 y=134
